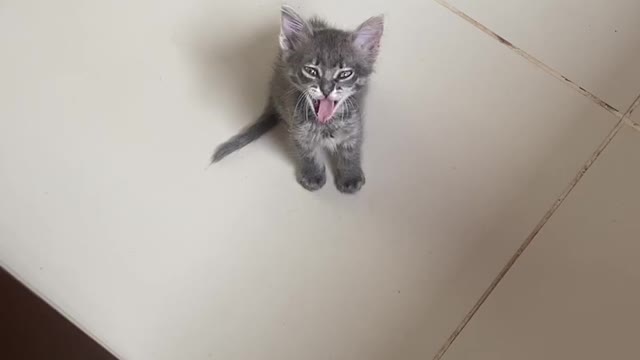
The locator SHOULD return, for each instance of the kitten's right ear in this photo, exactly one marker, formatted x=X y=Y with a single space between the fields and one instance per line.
x=367 y=36
x=293 y=29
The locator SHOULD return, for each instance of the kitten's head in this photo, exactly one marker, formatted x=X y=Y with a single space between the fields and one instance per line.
x=328 y=65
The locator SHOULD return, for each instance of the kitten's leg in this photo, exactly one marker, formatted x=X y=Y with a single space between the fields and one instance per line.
x=349 y=174
x=311 y=171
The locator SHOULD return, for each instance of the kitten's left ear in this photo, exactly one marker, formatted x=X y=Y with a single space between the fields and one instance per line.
x=293 y=29
x=367 y=36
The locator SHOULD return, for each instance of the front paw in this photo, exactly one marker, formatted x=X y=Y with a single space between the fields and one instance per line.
x=312 y=181
x=350 y=183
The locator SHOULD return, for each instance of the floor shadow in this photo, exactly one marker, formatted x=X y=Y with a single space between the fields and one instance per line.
x=238 y=69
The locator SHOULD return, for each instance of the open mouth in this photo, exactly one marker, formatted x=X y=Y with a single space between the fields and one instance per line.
x=324 y=109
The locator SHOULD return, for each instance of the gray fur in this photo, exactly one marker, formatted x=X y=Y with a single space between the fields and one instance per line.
x=295 y=94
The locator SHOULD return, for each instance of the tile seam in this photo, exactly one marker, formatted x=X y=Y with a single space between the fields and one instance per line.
x=533 y=60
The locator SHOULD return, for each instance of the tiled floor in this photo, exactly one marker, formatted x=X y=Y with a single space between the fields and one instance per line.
x=572 y=293
x=109 y=112
x=591 y=42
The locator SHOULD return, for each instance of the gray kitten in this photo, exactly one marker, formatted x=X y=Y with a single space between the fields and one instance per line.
x=317 y=90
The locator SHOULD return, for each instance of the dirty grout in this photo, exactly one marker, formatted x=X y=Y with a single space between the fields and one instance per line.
x=627 y=116
x=532 y=59
x=632 y=124
x=632 y=108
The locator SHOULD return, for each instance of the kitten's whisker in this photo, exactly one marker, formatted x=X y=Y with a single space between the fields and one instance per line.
x=308 y=104
x=346 y=107
x=300 y=98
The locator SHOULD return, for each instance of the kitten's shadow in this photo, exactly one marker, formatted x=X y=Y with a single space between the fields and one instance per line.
x=238 y=67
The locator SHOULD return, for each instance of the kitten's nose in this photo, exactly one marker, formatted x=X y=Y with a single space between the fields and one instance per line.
x=326 y=89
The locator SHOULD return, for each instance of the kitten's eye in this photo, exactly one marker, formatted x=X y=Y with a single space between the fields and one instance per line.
x=343 y=75
x=311 y=71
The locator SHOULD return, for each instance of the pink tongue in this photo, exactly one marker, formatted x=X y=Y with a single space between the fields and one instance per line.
x=325 y=110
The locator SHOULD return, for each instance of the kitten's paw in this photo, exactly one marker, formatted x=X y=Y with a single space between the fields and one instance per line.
x=350 y=184
x=312 y=181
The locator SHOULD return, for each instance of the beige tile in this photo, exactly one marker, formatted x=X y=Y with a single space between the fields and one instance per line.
x=108 y=116
x=592 y=42
x=573 y=294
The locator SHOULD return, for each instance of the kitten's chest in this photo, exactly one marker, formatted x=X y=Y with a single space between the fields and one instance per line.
x=330 y=136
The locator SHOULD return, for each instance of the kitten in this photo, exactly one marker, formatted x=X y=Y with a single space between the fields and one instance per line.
x=317 y=90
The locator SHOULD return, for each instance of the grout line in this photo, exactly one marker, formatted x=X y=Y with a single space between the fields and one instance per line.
x=634 y=125
x=532 y=59
x=536 y=230
x=632 y=108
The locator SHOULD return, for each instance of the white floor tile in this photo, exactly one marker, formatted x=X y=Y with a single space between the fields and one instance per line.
x=572 y=295
x=592 y=42
x=109 y=113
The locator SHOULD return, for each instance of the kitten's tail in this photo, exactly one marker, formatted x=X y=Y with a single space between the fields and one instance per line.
x=267 y=121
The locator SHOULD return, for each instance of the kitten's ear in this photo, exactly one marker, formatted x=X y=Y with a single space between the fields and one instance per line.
x=367 y=36
x=293 y=29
